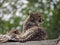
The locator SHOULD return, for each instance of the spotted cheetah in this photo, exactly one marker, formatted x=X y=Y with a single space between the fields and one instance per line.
x=31 y=29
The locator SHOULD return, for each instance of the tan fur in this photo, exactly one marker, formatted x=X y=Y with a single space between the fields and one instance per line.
x=15 y=31
x=58 y=42
x=32 y=34
x=32 y=20
x=9 y=36
x=4 y=38
x=31 y=29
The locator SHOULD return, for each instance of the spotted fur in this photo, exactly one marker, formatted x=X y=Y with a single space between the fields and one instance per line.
x=10 y=36
x=31 y=29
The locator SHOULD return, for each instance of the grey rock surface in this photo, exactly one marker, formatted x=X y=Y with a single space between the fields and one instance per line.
x=43 y=42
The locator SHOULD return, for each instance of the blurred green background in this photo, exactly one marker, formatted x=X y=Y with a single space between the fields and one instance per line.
x=14 y=12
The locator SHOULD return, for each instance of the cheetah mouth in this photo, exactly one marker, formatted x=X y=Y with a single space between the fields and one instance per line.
x=41 y=20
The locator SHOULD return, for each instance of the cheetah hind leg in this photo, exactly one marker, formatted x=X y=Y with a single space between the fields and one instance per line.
x=3 y=40
x=28 y=35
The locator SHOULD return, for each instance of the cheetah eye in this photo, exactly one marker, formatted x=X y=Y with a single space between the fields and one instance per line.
x=39 y=16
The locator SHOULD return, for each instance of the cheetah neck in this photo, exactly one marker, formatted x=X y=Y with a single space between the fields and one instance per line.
x=30 y=24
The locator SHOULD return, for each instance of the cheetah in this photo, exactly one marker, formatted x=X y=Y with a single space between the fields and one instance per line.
x=10 y=36
x=31 y=29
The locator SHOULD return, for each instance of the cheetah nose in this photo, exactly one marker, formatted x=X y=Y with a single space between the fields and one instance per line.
x=41 y=20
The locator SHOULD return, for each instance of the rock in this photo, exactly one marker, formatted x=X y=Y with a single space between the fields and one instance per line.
x=43 y=42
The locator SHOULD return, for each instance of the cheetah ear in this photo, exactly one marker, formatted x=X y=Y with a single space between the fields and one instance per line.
x=31 y=14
